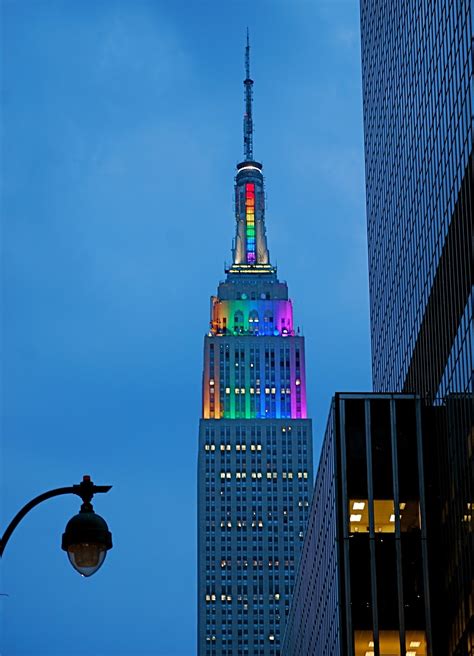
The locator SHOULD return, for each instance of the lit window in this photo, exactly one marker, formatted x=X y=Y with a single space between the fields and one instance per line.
x=415 y=643
x=297 y=381
x=359 y=505
x=384 y=516
x=355 y=518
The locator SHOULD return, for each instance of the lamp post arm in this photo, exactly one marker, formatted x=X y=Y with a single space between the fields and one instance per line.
x=26 y=509
x=85 y=490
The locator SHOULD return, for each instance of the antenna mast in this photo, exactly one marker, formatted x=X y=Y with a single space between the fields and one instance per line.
x=248 y=123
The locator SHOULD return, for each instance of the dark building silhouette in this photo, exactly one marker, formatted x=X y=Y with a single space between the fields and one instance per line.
x=417 y=67
x=363 y=587
x=255 y=444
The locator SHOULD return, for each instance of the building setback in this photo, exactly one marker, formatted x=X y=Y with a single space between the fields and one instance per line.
x=363 y=585
x=255 y=443
x=417 y=69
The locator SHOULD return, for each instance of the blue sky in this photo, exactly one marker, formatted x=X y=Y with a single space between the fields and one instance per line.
x=122 y=125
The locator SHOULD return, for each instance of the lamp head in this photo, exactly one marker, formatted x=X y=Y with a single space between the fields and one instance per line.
x=86 y=539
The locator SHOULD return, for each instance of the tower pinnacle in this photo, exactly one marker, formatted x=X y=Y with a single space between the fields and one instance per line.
x=248 y=122
x=250 y=251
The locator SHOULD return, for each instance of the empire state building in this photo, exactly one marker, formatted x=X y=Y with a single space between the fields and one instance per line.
x=255 y=474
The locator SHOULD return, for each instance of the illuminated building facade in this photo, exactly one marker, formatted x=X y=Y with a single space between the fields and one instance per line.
x=418 y=96
x=363 y=583
x=255 y=443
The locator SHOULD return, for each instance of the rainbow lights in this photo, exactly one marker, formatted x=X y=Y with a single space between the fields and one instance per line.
x=254 y=363
x=252 y=317
x=250 y=221
x=254 y=379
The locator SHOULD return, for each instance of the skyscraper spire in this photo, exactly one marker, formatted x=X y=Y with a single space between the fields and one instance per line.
x=248 y=123
x=250 y=251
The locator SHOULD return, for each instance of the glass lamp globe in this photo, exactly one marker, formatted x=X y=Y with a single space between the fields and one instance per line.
x=86 y=558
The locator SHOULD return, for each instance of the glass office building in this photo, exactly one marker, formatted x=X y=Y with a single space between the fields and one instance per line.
x=255 y=444
x=418 y=97
x=417 y=66
x=363 y=585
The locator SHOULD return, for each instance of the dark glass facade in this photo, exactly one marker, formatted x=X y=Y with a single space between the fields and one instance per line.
x=418 y=96
x=363 y=583
x=417 y=66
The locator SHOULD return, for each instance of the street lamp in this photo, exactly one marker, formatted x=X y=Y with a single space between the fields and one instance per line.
x=86 y=538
